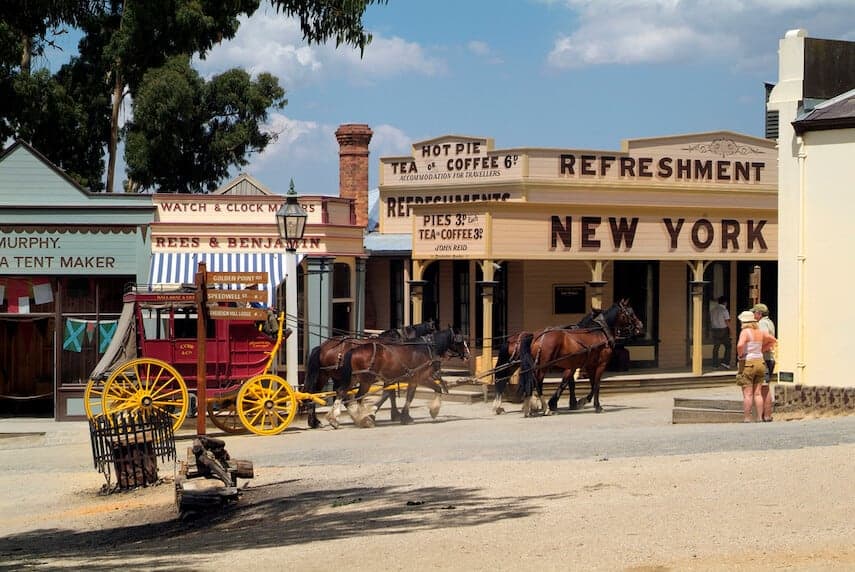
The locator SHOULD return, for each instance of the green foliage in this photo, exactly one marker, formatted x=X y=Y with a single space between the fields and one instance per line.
x=187 y=133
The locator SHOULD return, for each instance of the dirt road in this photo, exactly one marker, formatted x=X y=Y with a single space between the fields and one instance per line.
x=624 y=490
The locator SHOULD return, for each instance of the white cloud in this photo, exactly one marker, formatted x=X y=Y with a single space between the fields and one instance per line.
x=389 y=141
x=484 y=51
x=271 y=42
x=661 y=31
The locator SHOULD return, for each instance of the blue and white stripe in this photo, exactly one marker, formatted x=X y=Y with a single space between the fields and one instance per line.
x=180 y=267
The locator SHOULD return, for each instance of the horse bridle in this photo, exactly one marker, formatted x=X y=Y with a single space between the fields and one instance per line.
x=627 y=330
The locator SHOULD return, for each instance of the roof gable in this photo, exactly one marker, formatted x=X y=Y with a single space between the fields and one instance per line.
x=243 y=185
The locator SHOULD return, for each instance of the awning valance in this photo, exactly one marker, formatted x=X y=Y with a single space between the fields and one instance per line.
x=180 y=267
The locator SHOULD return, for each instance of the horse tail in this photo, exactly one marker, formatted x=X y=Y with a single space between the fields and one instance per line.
x=313 y=368
x=346 y=370
x=502 y=372
x=527 y=379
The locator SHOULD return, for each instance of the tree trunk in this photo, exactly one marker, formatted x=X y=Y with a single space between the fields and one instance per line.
x=114 y=127
x=26 y=54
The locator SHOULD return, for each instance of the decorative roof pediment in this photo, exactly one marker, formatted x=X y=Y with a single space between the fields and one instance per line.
x=243 y=185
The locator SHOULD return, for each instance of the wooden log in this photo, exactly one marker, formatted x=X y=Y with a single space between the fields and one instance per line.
x=241 y=469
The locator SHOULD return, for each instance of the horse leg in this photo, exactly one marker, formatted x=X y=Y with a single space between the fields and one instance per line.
x=543 y=405
x=581 y=403
x=595 y=386
x=497 y=404
x=437 y=385
x=553 y=401
x=406 y=419
x=334 y=412
x=356 y=407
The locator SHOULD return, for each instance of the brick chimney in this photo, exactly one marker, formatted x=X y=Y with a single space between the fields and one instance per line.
x=353 y=140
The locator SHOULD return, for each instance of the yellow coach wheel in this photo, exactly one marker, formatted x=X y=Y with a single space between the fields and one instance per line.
x=266 y=404
x=92 y=398
x=223 y=414
x=146 y=384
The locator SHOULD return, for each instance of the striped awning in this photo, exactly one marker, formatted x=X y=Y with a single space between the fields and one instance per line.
x=180 y=267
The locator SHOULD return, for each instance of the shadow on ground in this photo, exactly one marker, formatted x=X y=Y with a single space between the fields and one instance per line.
x=274 y=515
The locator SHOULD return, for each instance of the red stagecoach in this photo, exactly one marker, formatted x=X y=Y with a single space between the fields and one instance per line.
x=152 y=360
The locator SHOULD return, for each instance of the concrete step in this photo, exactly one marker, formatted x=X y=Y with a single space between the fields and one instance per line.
x=691 y=415
x=717 y=404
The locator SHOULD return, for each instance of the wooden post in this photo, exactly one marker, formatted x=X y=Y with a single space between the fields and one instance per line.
x=201 y=362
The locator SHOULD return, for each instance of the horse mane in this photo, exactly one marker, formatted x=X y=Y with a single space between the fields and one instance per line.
x=442 y=341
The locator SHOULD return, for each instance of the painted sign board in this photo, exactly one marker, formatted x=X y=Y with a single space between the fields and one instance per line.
x=223 y=313
x=239 y=296
x=236 y=277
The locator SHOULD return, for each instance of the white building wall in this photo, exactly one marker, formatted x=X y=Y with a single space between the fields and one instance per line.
x=786 y=98
x=828 y=310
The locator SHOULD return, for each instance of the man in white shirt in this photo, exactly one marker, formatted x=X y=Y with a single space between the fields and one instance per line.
x=720 y=327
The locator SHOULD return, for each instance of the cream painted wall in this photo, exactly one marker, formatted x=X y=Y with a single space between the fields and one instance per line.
x=537 y=298
x=785 y=98
x=827 y=311
x=673 y=316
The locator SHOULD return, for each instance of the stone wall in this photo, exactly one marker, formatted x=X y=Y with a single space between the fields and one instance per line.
x=789 y=397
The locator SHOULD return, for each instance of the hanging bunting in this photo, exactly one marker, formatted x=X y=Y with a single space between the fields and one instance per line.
x=42 y=291
x=19 y=299
x=90 y=330
x=74 y=332
x=106 y=331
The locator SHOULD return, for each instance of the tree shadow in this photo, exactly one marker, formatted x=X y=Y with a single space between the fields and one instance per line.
x=273 y=515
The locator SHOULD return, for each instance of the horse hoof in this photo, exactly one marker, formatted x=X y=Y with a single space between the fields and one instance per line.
x=406 y=420
x=553 y=405
x=499 y=410
x=598 y=409
x=581 y=403
x=395 y=416
x=314 y=423
x=367 y=422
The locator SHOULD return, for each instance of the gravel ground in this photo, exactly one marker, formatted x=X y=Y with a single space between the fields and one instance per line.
x=624 y=490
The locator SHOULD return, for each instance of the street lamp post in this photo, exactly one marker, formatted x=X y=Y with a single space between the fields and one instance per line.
x=291 y=221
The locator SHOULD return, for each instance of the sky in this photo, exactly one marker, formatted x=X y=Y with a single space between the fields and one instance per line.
x=584 y=74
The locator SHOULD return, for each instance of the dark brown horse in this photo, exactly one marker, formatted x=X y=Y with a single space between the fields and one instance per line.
x=535 y=353
x=412 y=362
x=571 y=349
x=508 y=361
x=325 y=360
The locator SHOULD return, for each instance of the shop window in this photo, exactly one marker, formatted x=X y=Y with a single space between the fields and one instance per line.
x=717 y=276
x=430 y=303
x=396 y=293
x=461 y=296
x=341 y=280
x=639 y=282
x=500 y=307
x=79 y=295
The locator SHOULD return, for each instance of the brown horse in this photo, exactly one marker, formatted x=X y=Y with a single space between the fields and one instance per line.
x=588 y=345
x=508 y=360
x=414 y=363
x=325 y=360
x=571 y=349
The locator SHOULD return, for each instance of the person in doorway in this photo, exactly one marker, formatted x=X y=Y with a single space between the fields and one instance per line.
x=761 y=314
x=752 y=369
x=720 y=326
